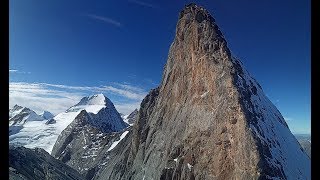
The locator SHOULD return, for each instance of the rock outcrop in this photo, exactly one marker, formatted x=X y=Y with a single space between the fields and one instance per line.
x=27 y=164
x=85 y=144
x=208 y=119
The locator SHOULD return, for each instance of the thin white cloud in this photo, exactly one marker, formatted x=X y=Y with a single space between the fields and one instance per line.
x=105 y=19
x=57 y=98
x=130 y=87
x=141 y=3
x=151 y=81
x=127 y=108
x=39 y=98
x=123 y=92
x=126 y=91
x=17 y=71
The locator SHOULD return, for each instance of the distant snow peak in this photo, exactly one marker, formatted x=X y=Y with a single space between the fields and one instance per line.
x=130 y=118
x=92 y=104
x=16 y=107
x=15 y=110
x=19 y=115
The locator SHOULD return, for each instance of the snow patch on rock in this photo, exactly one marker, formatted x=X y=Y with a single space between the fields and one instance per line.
x=114 y=144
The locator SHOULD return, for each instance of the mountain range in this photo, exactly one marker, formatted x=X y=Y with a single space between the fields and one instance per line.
x=28 y=129
x=208 y=119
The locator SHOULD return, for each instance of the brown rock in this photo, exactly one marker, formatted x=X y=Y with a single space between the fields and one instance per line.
x=209 y=106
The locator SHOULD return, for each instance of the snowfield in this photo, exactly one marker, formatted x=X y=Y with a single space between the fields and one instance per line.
x=33 y=134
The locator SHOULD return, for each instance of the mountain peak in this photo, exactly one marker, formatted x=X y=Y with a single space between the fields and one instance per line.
x=197 y=12
x=198 y=53
x=19 y=115
x=97 y=99
x=16 y=107
x=209 y=119
x=196 y=24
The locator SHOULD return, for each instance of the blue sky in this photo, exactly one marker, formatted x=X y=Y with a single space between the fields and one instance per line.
x=63 y=50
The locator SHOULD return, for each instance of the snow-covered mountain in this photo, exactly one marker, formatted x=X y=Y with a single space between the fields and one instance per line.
x=43 y=134
x=19 y=115
x=15 y=110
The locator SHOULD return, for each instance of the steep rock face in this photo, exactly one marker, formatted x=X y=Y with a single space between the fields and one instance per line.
x=209 y=119
x=84 y=145
x=36 y=163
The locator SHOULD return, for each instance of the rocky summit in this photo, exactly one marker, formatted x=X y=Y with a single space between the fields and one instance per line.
x=208 y=119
